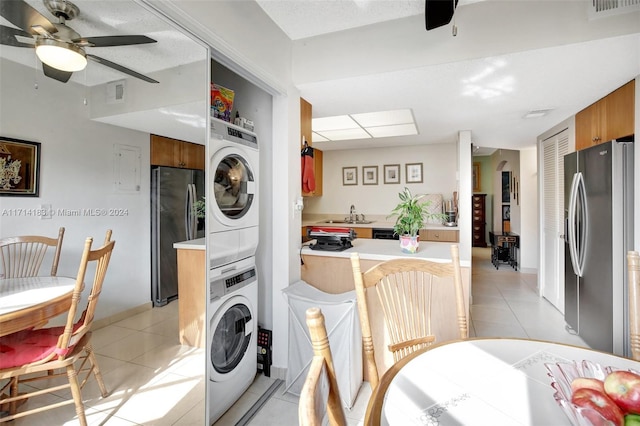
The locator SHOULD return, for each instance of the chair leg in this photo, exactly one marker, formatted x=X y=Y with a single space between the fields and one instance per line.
x=13 y=405
x=72 y=374
x=96 y=370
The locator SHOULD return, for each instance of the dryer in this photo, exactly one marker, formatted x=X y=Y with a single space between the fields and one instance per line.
x=233 y=206
x=232 y=339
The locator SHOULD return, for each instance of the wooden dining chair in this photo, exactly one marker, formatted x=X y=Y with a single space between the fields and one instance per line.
x=30 y=355
x=407 y=289
x=320 y=396
x=633 y=277
x=22 y=256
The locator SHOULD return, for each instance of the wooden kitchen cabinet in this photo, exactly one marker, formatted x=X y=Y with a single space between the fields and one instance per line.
x=305 y=134
x=478 y=221
x=176 y=153
x=443 y=235
x=612 y=117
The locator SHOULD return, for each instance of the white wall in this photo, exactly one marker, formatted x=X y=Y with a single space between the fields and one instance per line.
x=76 y=172
x=528 y=211
x=439 y=166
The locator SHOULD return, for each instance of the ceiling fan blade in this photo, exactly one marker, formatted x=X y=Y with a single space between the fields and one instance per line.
x=438 y=12
x=8 y=37
x=121 y=68
x=120 y=40
x=24 y=16
x=62 y=76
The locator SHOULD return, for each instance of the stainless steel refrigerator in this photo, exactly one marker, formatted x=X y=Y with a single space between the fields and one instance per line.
x=173 y=192
x=598 y=233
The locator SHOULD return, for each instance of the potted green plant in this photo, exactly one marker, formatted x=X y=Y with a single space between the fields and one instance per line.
x=411 y=213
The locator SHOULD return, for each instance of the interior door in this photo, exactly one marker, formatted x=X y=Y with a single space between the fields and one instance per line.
x=553 y=152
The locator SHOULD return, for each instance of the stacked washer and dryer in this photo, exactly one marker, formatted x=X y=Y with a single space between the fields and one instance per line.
x=233 y=281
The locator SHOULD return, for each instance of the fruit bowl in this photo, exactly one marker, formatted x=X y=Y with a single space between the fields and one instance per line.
x=562 y=374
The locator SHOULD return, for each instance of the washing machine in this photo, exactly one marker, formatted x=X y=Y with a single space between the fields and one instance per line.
x=233 y=180
x=232 y=336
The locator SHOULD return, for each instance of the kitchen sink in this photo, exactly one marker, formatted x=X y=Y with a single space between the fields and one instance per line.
x=353 y=222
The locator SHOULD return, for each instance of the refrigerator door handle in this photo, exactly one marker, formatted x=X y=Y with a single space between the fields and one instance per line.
x=189 y=217
x=571 y=224
x=581 y=240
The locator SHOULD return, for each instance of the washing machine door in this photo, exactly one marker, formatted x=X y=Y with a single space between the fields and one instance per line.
x=233 y=330
x=234 y=187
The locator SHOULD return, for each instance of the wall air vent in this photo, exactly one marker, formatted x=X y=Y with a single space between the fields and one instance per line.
x=603 y=8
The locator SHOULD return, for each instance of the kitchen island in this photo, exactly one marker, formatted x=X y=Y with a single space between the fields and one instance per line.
x=331 y=272
x=192 y=292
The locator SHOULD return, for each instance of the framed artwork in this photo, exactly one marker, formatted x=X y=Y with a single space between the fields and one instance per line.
x=414 y=172
x=476 y=177
x=369 y=175
x=349 y=175
x=392 y=173
x=506 y=187
x=19 y=167
x=506 y=212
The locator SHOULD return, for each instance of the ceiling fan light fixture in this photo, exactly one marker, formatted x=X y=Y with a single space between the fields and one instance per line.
x=61 y=55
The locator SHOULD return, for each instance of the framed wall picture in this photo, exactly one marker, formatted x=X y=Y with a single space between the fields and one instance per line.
x=392 y=173
x=476 y=177
x=506 y=187
x=506 y=212
x=20 y=166
x=414 y=172
x=349 y=175
x=369 y=175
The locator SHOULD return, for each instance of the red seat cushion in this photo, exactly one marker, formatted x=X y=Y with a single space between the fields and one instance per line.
x=27 y=346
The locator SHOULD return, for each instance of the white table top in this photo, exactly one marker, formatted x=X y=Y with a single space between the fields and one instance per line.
x=21 y=293
x=389 y=249
x=196 y=244
x=481 y=382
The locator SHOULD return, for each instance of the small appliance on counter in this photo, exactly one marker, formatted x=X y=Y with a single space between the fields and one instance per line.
x=331 y=238
x=449 y=208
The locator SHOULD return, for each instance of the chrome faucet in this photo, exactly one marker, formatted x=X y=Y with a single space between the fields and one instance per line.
x=352 y=213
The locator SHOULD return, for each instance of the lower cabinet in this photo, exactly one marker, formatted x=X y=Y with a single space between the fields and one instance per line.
x=443 y=235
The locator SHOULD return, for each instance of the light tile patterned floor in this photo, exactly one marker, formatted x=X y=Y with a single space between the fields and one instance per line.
x=154 y=381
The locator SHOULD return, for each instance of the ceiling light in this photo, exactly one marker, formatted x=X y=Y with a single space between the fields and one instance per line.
x=364 y=126
x=61 y=55
x=537 y=113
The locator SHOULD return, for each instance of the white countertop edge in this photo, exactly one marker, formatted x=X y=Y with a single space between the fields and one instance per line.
x=197 y=244
x=388 y=249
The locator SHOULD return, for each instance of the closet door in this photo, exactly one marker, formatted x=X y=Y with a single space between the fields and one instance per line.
x=553 y=151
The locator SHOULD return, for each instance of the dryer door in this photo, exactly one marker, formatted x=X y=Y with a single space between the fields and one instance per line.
x=234 y=188
x=232 y=327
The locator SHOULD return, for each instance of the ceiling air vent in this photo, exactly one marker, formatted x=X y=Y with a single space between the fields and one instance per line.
x=604 y=8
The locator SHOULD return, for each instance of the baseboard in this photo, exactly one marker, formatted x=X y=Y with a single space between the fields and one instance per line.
x=529 y=270
x=103 y=322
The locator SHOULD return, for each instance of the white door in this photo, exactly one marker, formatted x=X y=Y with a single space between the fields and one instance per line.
x=553 y=152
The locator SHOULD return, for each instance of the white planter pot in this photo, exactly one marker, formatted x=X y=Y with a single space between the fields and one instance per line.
x=409 y=244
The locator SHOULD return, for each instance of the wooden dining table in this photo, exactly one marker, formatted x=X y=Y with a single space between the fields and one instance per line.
x=32 y=301
x=479 y=381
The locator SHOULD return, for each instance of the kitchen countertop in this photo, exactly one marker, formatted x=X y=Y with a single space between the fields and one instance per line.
x=388 y=249
x=197 y=244
x=384 y=224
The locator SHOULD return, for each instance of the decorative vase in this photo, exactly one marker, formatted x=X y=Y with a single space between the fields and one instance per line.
x=409 y=244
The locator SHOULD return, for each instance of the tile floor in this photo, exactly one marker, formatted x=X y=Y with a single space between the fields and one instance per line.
x=154 y=381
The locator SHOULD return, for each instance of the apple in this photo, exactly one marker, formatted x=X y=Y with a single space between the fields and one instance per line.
x=624 y=388
x=600 y=403
x=631 y=420
x=587 y=382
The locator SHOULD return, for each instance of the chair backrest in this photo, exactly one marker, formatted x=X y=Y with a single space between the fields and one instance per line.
x=407 y=292
x=22 y=256
x=320 y=394
x=75 y=330
x=633 y=276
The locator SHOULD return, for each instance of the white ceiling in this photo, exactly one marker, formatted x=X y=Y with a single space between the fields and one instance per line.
x=507 y=59
x=359 y=56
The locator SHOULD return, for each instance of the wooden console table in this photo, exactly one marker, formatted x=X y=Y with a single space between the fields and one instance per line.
x=503 y=249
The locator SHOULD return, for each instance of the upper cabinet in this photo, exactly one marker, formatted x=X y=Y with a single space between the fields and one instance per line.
x=175 y=153
x=612 y=117
x=311 y=167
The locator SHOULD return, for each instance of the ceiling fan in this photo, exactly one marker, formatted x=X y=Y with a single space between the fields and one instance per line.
x=60 y=49
x=439 y=12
